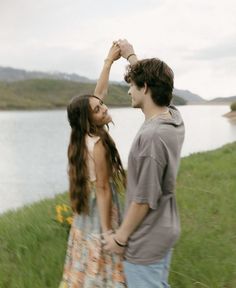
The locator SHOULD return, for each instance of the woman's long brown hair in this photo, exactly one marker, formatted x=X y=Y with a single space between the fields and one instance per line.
x=79 y=116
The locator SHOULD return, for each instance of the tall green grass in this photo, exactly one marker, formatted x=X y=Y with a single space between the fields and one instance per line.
x=33 y=244
x=205 y=256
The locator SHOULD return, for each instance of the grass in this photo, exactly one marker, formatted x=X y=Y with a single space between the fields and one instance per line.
x=33 y=244
x=233 y=106
x=205 y=256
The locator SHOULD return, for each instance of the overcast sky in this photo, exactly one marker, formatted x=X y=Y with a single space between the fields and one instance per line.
x=197 y=39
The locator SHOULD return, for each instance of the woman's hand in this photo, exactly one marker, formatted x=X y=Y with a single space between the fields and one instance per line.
x=101 y=88
x=114 y=52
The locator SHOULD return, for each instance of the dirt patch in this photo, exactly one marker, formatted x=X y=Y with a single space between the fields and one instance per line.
x=231 y=115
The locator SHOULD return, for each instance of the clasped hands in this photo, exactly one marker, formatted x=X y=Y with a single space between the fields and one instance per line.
x=120 y=48
x=110 y=245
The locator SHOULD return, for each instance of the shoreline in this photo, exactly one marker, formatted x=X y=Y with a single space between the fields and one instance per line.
x=54 y=108
x=58 y=108
x=230 y=115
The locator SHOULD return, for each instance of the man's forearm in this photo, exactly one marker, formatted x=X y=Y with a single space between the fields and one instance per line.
x=135 y=215
x=133 y=59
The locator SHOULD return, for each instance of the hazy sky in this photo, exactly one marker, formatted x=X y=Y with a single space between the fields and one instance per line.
x=196 y=38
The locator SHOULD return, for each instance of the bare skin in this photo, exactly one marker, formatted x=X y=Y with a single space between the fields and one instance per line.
x=103 y=81
x=101 y=117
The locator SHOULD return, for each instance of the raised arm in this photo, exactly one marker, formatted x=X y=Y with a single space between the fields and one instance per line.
x=101 y=88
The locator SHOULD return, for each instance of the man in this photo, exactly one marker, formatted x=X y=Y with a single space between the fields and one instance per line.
x=151 y=224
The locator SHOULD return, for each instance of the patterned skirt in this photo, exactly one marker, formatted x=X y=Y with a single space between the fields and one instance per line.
x=87 y=265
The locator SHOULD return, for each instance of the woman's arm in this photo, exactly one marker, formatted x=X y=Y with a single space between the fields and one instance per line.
x=103 y=191
x=101 y=88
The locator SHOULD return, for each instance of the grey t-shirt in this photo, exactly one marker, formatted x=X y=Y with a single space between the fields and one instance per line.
x=152 y=169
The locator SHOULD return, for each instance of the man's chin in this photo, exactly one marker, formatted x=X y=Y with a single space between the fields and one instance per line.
x=135 y=105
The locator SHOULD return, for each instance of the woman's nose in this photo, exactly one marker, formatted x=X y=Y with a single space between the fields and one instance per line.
x=104 y=107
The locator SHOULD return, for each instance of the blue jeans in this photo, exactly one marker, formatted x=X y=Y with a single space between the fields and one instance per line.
x=148 y=276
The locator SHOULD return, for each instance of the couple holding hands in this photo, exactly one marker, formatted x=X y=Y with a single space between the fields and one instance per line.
x=106 y=248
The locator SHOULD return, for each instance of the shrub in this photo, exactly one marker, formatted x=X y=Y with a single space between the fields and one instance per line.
x=233 y=106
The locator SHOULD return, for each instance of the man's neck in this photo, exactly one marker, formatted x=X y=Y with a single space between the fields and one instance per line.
x=154 y=111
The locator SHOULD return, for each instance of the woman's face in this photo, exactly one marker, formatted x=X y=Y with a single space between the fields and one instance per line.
x=99 y=112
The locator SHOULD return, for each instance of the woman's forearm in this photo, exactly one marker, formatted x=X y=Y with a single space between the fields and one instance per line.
x=104 y=203
x=103 y=80
x=101 y=88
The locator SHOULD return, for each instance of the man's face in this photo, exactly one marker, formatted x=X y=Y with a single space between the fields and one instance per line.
x=137 y=95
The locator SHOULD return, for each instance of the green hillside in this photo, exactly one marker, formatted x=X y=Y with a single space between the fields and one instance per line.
x=52 y=94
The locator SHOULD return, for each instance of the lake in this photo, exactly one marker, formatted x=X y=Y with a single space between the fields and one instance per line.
x=33 y=146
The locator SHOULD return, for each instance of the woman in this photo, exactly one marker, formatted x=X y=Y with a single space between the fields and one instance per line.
x=95 y=171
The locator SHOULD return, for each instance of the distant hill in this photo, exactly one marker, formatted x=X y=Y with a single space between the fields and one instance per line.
x=221 y=100
x=21 y=89
x=51 y=94
x=190 y=97
x=176 y=100
x=11 y=74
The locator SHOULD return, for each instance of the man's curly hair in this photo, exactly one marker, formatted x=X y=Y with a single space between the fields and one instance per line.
x=157 y=75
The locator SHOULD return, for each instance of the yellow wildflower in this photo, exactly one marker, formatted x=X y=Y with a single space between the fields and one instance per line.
x=58 y=209
x=59 y=218
x=65 y=207
x=69 y=220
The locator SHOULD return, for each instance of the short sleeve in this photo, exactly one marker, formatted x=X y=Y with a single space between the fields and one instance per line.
x=149 y=177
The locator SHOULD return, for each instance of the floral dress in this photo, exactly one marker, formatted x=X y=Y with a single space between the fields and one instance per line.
x=87 y=265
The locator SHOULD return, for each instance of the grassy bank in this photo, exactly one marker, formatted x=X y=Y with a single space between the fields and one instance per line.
x=33 y=244
x=206 y=253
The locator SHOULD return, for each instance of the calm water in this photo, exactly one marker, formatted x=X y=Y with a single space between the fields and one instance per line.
x=33 y=146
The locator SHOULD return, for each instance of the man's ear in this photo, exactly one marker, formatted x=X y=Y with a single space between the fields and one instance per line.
x=145 y=88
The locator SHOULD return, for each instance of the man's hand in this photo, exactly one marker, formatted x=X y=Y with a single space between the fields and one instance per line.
x=126 y=48
x=111 y=246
